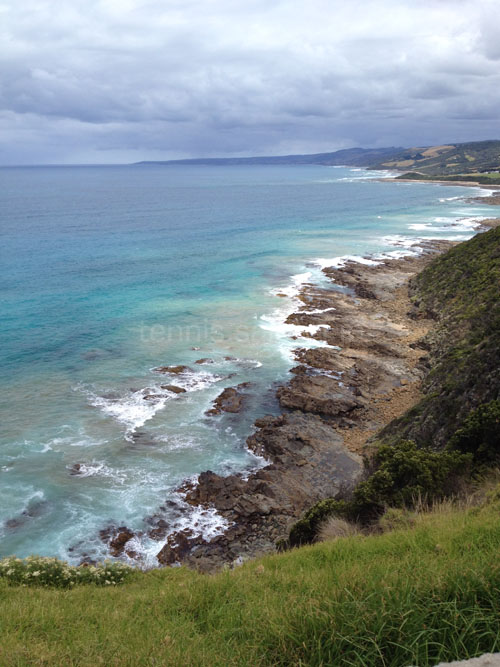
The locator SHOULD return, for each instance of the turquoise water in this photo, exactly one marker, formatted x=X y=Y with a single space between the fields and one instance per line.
x=109 y=272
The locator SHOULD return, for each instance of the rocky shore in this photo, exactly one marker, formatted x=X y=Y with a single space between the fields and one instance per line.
x=364 y=371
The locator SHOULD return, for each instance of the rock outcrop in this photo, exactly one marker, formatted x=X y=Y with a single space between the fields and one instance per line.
x=230 y=400
x=307 y=462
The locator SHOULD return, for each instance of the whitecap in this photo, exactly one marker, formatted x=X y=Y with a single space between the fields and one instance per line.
x=97 y=469
x=317 y=311
x=176 y=442
x=130 y=409
x=197 y=521
x=338 y=262
x=196 y=380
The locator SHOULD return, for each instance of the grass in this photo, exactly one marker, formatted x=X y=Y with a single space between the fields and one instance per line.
x=408 y=597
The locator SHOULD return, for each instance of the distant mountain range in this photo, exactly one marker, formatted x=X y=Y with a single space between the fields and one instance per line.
x=475 y=157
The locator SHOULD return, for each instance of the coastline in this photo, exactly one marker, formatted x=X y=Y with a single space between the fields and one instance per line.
x=493 y=199
x=362 y=320
x=367 y=373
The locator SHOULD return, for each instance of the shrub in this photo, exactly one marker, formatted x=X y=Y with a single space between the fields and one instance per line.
x=54 y=573
x=404 y=473
x=403 y=476
x=480 y=434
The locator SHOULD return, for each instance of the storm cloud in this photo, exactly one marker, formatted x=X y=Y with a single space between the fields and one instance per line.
x=123 y=80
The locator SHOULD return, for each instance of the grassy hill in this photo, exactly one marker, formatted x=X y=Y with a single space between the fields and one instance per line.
x=412 y=596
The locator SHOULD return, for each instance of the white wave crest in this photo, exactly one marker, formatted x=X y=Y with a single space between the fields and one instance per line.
x=133 y=409
x=338 y=262
x=97 y=469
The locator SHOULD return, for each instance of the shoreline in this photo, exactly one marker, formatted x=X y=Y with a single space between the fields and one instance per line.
x=493 y=199
x=327 y=423
x=335 y=402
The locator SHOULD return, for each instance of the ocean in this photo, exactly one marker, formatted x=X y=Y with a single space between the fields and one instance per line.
x=111 y=272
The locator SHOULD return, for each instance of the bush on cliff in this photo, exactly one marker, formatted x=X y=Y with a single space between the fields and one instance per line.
x=304 y=531
x=402 y=475
x=405 y=473
x=480 y=435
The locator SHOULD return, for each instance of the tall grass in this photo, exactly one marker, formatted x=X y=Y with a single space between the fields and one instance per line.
x=408 y=597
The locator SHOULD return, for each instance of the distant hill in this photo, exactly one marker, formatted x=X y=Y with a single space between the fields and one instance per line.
x=447 y=160
x=474 y=157
x=355 y=157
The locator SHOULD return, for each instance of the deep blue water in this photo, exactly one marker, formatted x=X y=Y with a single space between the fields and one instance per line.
x=108 y=272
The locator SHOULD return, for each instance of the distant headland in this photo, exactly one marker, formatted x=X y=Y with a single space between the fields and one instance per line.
x=477 y=161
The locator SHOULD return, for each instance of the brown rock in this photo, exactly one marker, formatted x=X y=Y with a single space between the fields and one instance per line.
x=173 y=388
x=175 y=370
x=117 y=544
x=261 y=422
x=177 y=547
x=230 y=400
x=318 y=394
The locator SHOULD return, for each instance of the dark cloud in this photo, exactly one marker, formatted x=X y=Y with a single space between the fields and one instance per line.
x=121 y=80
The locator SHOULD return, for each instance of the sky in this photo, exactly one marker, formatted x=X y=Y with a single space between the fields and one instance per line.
x=117 y=81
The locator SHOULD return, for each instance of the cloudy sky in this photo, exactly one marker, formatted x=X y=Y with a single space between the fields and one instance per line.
x=107 y=81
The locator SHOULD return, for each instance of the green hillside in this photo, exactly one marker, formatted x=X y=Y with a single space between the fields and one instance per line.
x=461 y=291
x=409 y=597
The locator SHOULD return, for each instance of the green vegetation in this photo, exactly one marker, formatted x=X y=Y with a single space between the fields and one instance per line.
x=461 y=290
x=480 y=435
x=409 y=597
x=403 y=475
